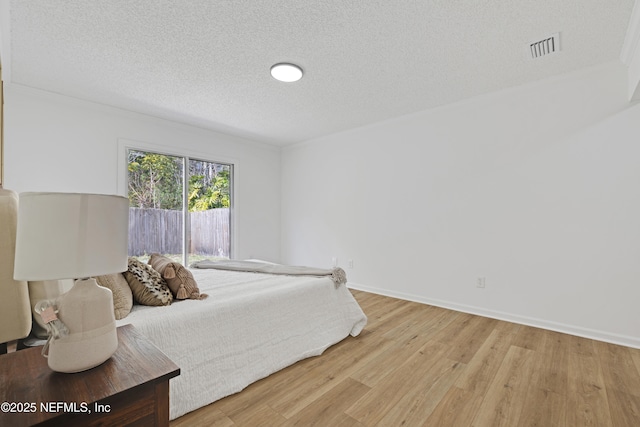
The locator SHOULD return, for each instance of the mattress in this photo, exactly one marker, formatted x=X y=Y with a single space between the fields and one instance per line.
x=249 y=327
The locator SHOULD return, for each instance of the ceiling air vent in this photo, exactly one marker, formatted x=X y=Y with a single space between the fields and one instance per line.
x=545 y=47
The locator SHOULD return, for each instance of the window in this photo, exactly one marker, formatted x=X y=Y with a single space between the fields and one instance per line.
x=178 y=206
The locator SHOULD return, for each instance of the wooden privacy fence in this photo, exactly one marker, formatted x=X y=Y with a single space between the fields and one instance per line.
x=160 y=230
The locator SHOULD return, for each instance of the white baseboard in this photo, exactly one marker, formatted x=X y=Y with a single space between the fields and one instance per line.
x=625 y=340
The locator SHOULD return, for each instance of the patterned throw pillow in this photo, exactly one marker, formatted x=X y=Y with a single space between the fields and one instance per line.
x=146 y=284
x=179 y=279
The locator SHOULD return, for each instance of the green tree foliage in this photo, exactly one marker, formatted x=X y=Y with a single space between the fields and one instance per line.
x=203 y=197
x=155 y=181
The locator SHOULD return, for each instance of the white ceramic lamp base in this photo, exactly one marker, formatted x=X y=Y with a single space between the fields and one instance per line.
x=87 y=311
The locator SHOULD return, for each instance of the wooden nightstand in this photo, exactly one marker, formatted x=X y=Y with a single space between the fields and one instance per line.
x=132 y=387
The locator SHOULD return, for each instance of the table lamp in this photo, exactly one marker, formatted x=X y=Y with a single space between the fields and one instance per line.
x=75 y=236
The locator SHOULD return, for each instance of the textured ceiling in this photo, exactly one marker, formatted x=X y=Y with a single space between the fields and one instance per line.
x=206 y=62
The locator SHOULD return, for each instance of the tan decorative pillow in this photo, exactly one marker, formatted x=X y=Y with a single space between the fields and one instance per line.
x=179 y=279
x=122 y=295
x=146 y=284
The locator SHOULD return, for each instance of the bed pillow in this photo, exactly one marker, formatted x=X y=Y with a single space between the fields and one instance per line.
x=122 y=295
x=146 y=284
x=179 y=279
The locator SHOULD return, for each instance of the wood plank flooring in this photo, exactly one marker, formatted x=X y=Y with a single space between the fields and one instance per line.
x=419 y=365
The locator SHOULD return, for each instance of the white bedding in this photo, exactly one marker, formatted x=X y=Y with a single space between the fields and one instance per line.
x=249 y=327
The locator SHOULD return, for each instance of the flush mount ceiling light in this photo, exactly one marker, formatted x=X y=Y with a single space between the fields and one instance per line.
x=286 y=72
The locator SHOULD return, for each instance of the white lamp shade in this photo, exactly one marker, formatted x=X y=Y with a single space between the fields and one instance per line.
x=70 y=235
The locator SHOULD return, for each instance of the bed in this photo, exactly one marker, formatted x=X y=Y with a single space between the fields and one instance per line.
x=250 y=326
x=15 y=310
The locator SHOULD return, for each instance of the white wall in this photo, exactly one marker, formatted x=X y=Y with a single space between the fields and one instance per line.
x=535 y=188
x=56 y=143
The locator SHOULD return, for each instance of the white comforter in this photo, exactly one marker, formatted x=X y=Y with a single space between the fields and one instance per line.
x=249 y=327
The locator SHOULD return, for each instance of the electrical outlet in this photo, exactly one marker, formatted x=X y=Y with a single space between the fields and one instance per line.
x=480 y=282
x=350 y=263
x=334 y=261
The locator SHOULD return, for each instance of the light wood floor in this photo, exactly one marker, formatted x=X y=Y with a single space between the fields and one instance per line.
x=416 y=365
